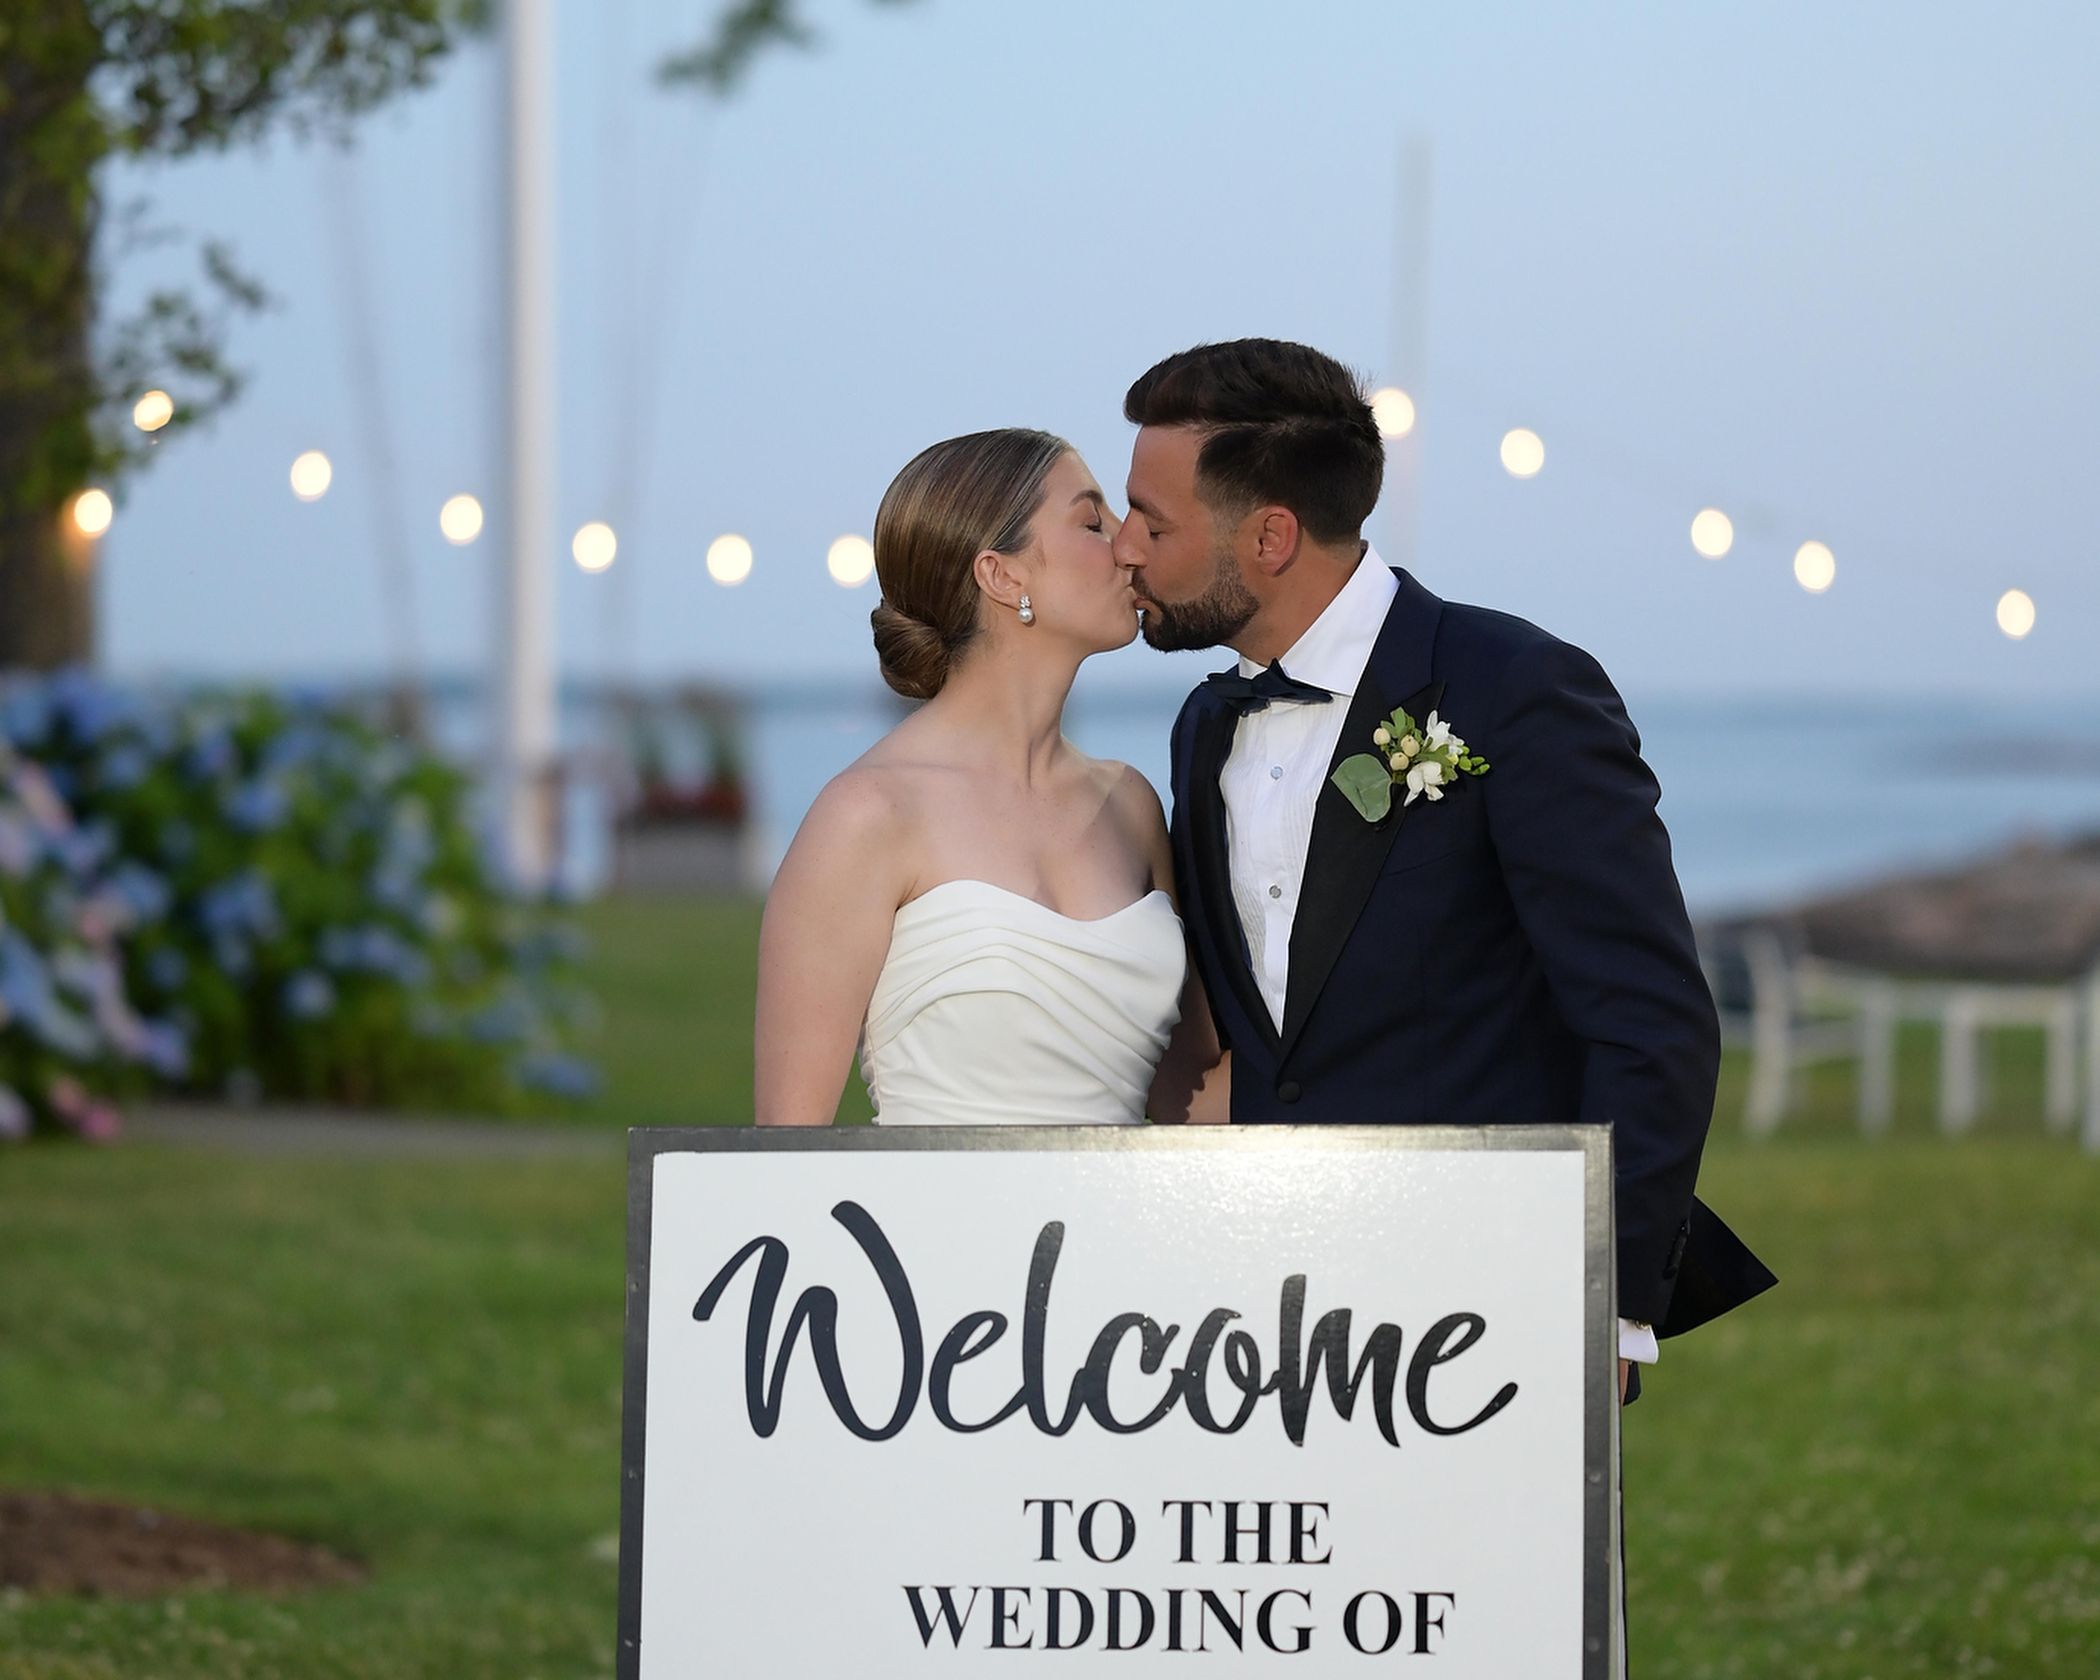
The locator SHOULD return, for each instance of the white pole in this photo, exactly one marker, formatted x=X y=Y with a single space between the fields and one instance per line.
x=1403 y=456
x=1879 y=1009
x=523 y=510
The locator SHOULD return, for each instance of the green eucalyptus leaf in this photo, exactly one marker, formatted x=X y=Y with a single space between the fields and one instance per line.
x=1367 y=784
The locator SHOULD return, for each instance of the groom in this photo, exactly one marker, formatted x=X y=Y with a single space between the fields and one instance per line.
x=1512 y=949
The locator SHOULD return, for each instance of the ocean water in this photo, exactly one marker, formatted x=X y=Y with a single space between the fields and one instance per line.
x=1765 y=801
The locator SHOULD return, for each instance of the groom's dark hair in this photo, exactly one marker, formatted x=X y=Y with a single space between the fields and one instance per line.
x=1283 y=424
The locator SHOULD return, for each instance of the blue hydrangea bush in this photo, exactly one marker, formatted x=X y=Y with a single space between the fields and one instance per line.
x=295 y=904
x=72 y=1033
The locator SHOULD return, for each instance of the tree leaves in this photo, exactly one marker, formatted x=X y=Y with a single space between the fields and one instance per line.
x=718 y=63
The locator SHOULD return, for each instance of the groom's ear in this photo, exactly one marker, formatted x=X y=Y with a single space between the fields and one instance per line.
x=1277 y=539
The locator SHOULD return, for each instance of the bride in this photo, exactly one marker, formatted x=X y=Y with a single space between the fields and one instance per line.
x=986 y=913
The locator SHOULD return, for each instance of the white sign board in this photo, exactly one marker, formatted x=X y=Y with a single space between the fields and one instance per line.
x=1140 y=1401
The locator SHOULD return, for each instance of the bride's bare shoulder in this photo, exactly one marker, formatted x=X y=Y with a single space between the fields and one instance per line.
x=1124 y=786
x=1130 y=798
x=867 y=803
x=877 y=804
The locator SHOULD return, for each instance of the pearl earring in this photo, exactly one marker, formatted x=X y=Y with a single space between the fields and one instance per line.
x=1027 y=611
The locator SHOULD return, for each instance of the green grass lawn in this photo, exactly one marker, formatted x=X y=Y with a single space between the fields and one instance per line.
x=1889 y=1467
x=673 y=977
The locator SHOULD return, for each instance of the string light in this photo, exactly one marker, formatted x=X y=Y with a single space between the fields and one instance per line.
x=1522 y=453
x=1815 y=567
x=153 y=411
x=1393 y=410
x=92 y=511
x=460 y=520
x=312 y=474
x=1713 y=534
x=729 y=559
x=851 y=562
x=594 y=546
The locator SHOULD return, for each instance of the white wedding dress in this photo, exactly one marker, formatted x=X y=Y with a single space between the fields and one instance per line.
x=992 y=1009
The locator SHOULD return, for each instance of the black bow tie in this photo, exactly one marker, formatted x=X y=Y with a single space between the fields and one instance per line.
x=1252 y=694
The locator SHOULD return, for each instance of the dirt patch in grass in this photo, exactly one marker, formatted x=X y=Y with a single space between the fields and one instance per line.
x=63 y=1543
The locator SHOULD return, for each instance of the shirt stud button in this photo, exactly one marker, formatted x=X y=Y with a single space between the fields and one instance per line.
x=1275 y=772
x=1276 y=892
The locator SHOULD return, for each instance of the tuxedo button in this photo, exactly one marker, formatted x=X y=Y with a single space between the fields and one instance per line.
x=1288 y=1091
x=1276 y=892
x=1275 y=772
x=1677 y=1247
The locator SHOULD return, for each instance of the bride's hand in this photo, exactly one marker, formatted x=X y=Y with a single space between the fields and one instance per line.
x=1193 y=1083
x=1211 y=1104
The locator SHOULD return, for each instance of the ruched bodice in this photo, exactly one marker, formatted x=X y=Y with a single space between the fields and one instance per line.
x=993 y=1009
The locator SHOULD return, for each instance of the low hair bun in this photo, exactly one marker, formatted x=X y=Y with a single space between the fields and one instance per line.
x=949 y=504
x=914 y=658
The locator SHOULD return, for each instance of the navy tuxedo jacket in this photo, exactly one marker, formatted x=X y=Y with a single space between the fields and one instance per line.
x=1517 y=952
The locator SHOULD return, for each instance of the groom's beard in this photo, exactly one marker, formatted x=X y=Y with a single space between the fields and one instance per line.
x=1220 y=613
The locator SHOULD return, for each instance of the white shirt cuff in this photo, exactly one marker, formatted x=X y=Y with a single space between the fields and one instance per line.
x=1637 y=1342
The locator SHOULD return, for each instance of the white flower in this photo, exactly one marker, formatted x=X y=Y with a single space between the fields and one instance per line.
x=1424 y=778
x=1439 y=733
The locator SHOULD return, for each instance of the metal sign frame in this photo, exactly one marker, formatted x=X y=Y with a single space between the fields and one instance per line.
x=1601 y=1629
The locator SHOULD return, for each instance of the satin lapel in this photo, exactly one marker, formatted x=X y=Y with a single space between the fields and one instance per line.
x=1209 y=746
x=1345 y=853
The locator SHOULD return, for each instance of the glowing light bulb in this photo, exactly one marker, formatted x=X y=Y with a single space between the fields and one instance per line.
x=851 y=562
x=1394 y=412
x=312 y=474
x=2016 y=613
x=1522 y=453
x=153 y=411
x=92 y=511
x=594 y=546
x=1713 y=533
x=729 y=559
x=460 y=520
x=1815 y=567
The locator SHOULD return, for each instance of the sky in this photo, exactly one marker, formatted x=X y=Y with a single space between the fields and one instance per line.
x=1830 y=269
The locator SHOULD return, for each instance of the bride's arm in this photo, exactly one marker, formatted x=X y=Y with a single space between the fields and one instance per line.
x=1193 y=1083
x=821 y=946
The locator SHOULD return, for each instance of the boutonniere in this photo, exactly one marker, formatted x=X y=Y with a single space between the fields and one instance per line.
x=1425 y=760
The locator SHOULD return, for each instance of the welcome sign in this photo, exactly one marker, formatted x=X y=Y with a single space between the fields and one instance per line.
x=1138 y=1401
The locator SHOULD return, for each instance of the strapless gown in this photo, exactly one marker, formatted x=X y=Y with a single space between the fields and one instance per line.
x=992 y=1009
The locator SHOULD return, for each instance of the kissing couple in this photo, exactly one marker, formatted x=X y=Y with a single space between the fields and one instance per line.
x=1415 y=873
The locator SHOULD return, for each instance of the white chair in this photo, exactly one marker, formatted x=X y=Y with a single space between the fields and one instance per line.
x=1785 y=1032
x=1963 y=1011
x=1968 y=1010
x=2091 y=1136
